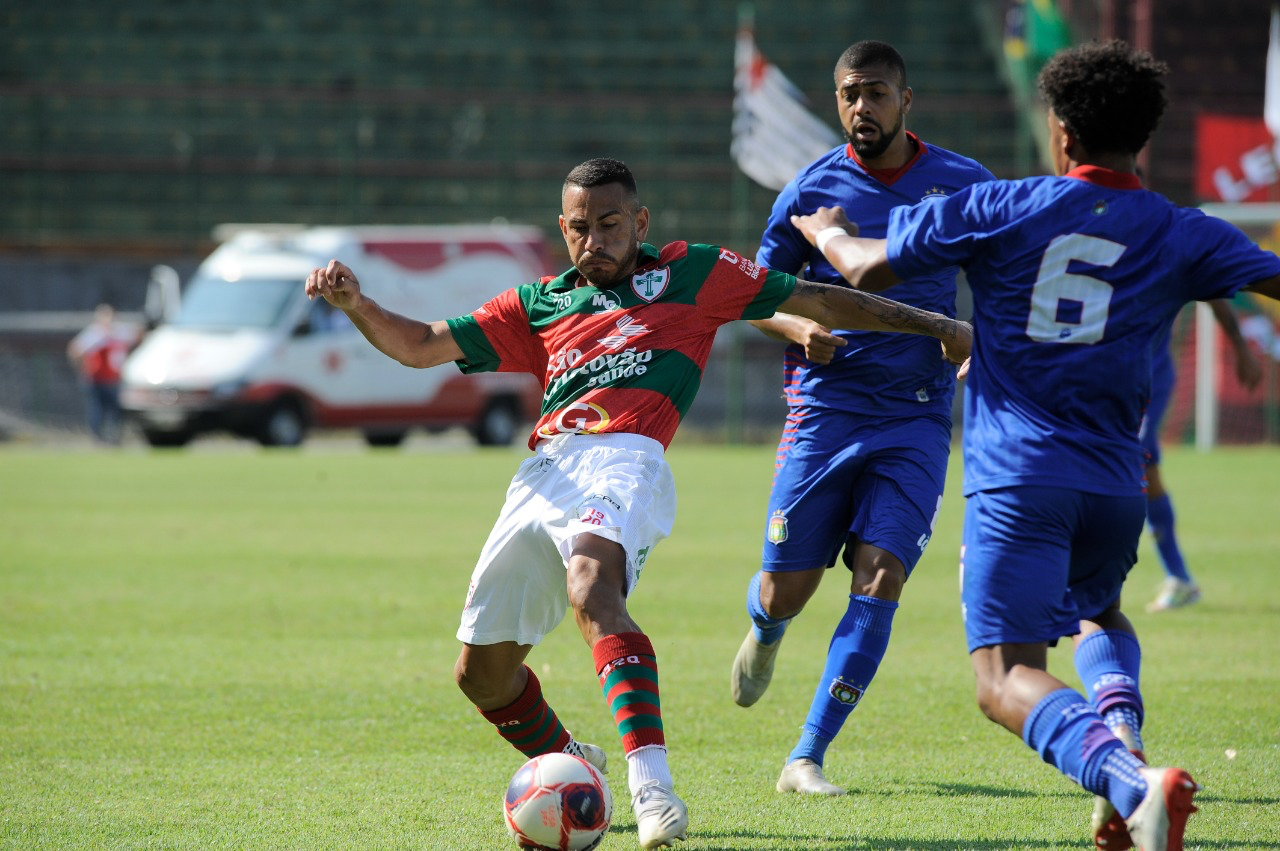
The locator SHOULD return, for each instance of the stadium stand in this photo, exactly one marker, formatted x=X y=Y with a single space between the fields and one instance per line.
x=155 y=121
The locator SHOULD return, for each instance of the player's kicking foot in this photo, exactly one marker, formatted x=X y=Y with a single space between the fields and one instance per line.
x=661 y=817
x=1175 y=593
x=1160 y=820
x=805 y=776
x=592 y=754
x=1110 y=833
x=752 y=669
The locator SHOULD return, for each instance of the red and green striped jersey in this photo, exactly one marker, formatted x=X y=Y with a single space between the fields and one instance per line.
x=625 y=359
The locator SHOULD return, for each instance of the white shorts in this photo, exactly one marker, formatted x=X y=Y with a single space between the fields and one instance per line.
x=616 y=486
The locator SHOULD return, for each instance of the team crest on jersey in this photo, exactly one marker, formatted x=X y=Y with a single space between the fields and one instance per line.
x=1099 y=207
x=846 y=693
x=628 y=327
x=777 y=531
x=651 y=284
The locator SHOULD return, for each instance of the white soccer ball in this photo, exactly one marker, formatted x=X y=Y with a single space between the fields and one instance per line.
x=558 y=802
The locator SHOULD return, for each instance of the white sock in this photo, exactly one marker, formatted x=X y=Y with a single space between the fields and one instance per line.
x=648 y=763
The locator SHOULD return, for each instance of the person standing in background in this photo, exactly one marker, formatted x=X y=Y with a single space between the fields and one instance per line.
x=98 y=352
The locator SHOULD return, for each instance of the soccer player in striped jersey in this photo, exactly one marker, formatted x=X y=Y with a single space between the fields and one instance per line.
x=1073 y=278
x=619 y=341
x=863 y=456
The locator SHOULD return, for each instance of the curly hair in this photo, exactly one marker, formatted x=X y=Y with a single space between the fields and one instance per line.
x=1108 y=95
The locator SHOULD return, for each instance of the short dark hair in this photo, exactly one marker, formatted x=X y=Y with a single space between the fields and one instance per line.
x=864 y=54
x=601 y=172
x=1108 y=95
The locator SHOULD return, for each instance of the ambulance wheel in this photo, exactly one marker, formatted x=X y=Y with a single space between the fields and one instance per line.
x=284 y=425
x=498 y=424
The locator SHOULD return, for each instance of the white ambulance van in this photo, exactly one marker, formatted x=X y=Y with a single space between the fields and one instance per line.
x=248 y=353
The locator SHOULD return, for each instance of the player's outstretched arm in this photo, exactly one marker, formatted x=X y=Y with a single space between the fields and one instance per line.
x=1248 y=369
x=412 y=343
x=840 y=307
x=862 y=262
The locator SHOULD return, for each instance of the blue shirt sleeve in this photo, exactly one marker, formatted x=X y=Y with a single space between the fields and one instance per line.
x=934 y=233
x=1223 y=259
x=782 y=247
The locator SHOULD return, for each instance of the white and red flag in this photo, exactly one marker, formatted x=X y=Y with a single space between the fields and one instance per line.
x=774 y=133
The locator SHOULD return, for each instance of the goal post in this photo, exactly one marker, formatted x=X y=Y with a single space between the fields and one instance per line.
x=1225 y=412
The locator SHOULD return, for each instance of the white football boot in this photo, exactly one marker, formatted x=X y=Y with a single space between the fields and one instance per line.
x=805 y=776
x=752 y=669
x=1175 y=593
x=1160 y=820
x=592 y=754
x=661 y=817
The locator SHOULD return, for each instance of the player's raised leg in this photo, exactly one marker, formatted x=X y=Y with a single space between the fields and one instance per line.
x=767 y=593
x=1080 y=547
x=1108 y=660
x=811 y=481
x=509 y=696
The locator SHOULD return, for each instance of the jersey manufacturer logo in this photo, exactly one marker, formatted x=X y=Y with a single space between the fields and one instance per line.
x=1100 y=207
x=628 y=327
x=777 y=531
x=578 y=418
x=651 y=284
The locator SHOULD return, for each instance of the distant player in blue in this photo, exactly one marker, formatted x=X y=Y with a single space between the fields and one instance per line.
x=1074 y=277
x=863 y=456
x=1179 y=588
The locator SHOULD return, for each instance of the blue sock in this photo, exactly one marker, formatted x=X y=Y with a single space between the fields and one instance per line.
x=1108 y=662
x=1160 y=516
x=1069 y=735
x=767 y=630
x=858 y=645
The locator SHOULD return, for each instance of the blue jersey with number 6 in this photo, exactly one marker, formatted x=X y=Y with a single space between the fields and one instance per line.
x=1073 y=279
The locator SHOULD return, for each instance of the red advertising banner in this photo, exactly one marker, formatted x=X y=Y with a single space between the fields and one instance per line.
x=1235 y=159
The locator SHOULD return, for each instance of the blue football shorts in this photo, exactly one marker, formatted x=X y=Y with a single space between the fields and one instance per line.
x=1037 y=559
x=840 y=473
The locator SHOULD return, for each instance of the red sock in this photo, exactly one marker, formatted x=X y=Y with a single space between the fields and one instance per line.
x=529 y=725
x=628 y=672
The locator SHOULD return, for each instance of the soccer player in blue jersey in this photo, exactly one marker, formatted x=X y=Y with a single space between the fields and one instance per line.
x=863 y=455
x=1073 y=277
x=1179 y=588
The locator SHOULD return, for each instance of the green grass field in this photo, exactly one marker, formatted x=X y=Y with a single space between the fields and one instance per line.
x=220 y=649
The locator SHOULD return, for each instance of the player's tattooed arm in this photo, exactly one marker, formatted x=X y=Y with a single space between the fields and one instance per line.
x=840 y=307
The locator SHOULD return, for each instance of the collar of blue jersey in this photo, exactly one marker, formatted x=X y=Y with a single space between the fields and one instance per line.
x=569 y=279
x=1105 y=177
